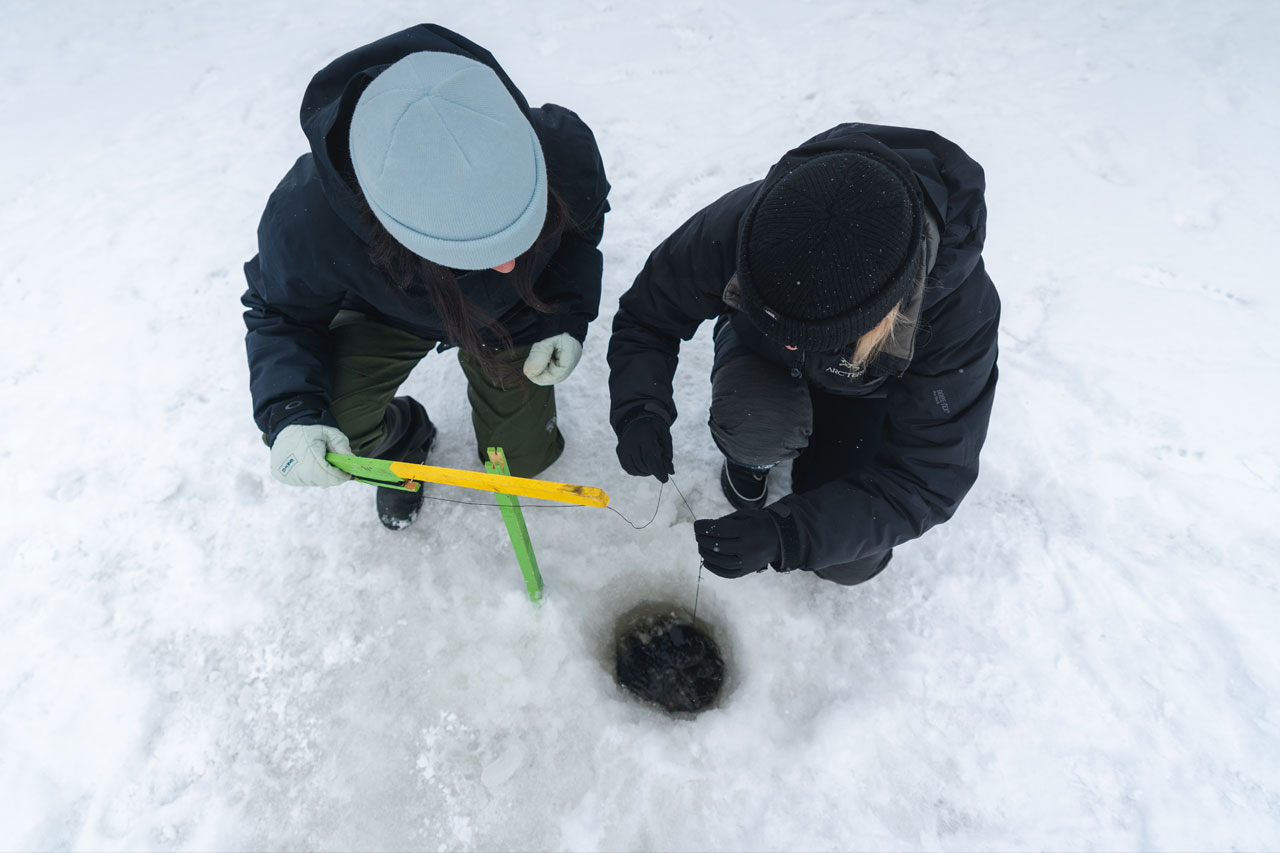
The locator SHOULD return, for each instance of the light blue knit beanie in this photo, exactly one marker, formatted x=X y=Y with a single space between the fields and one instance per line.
x=448 y=162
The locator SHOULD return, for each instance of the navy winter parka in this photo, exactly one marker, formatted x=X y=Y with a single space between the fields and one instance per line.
x=313 y=247
x=938 y=389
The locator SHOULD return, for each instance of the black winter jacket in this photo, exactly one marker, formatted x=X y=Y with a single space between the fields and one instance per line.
x=938 y=389
x=313 y=248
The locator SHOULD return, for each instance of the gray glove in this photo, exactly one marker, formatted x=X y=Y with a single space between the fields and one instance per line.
x=551 y=360
x=297 y=457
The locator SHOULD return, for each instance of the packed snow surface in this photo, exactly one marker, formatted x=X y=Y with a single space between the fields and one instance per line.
x=195 y=657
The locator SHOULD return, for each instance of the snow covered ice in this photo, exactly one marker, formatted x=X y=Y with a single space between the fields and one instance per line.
x=194 y=657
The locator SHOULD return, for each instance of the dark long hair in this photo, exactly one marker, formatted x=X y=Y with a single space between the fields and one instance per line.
x=463 y=320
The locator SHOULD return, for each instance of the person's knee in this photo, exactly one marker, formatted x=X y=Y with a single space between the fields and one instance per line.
x=403 y=433
x=521 y=420
x=369 y=363
x=760 y=415
x=530 y=457
x=856 y=571
x=365 y=430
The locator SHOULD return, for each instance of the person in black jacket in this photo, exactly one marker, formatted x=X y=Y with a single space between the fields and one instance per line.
x=855 y=334
x=435 y=209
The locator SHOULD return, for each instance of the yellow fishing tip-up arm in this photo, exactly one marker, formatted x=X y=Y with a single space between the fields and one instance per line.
x=522 y=486
x=406 y=475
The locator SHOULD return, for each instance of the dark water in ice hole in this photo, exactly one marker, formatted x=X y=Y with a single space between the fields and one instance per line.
x=661 y=657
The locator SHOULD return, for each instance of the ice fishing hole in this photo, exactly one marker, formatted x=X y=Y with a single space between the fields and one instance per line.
x=662 y=657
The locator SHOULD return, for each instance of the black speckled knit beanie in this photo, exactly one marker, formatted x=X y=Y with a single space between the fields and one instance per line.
x=830 y=244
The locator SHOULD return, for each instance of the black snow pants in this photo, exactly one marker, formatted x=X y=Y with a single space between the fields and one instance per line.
x=761 y=416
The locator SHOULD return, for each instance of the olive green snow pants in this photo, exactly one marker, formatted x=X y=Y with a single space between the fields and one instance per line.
x=371 y=361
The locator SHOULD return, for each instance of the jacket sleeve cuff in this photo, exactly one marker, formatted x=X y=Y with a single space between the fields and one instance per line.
x=789 y=537
x=550 y=325
x=575 y=326
x=635 y=413
x=303 y=409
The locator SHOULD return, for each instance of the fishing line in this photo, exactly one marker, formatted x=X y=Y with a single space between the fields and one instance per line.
x=522 y=506
x=558 y=506
x=697 y=592
x=651 y=518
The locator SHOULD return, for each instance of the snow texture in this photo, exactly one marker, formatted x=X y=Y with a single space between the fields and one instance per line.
x=195 y=657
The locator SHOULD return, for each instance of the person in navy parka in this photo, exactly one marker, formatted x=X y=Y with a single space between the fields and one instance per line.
x=855 y=334
x=435 y=209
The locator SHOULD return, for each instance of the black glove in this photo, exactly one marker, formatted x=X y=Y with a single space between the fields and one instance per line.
x=644 y=448
x=739 y=544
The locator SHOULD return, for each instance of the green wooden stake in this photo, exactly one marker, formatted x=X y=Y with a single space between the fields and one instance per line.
x=516 y=529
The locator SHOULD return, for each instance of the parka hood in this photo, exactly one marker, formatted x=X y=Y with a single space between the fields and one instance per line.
x=330 y=100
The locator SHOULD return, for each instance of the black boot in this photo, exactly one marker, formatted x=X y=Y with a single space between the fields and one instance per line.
x=398 y=509
x=745 y=488
x=409 y=437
